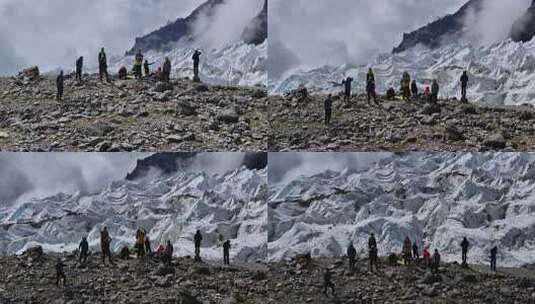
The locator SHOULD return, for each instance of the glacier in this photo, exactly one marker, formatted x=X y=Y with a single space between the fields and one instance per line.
x=501 y=73
x=168 y=207
x=234 y=64
x=434 y=198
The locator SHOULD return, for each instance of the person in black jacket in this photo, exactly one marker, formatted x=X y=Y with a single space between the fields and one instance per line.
x=60 y=85
x=196 y=59
x=372 y=252
x=84 y=250
x=197 y=240
x=414 y=89
x=493 y=254
x=464 y=85
x=351 y=254
x=464 y=246
x=226 y=252
x=327 y=282
x=328 y=105
x=347 y=89
x=60 y=273
x=79 y=66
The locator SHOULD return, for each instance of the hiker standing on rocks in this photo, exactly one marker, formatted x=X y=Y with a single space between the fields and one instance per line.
x=147 y=246
x=328 y=283
x=327 y=105
x=407 y=255
x=372 y=252
x=122 y=73
x=493 y=254
x=197 y=239
x=138 y=63
x=415 y=252
x=84 y=249
x=351 y=254
x=167 y=70
x=427 y=256
x=427 y=94
x=414 y=89
x=79 y=66
x=436 y=261
x=103 y=65
x=168 y=255
x=196 y=59
x=226 y=252
x=140 y=243
x=370 y=86
x=146 y=67
x=434 y=91
x=464 y=85
x=105 y=241
x=60 y=273
x=405 y=85
x=347 y=89
x=60 y=85
x=464 y=246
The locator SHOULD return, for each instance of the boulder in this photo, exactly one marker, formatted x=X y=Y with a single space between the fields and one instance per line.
x=496 y=141
x=228 y=116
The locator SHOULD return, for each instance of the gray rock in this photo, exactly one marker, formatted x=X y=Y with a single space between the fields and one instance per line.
x=228 y=116
x=496 y=141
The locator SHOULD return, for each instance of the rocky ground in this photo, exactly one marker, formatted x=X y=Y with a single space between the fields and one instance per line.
x=294 y=282
x=297 y=125
x=27 y=280
x=128 y=115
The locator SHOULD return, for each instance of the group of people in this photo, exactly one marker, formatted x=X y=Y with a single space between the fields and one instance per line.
x=163 y=72
x=410 y=254
x=143 y=249
x=408 y=89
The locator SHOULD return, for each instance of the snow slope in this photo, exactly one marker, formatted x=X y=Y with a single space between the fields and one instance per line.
x=234 y=64
x=501 y=73
x=436 y=199
x=168 y=207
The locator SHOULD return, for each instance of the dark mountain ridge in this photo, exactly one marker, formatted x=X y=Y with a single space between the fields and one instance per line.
x=169 y=162
x=431 y=34
x=453 y=25
x=160 y=39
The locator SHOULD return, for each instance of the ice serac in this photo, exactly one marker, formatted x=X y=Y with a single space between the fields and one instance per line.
x=169 y=206
x=165 y=36
x=256 y=31
x=431 y=35
x=524 y=28
x=436 y=199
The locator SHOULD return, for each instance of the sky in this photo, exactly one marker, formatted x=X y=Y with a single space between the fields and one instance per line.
x=286 y=166
x=313 y=33
x=29 y=175
x=48 y=33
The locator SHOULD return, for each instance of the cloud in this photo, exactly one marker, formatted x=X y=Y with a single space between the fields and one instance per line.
x=27 y=175
x=312 y=33
x=217 y=162
x=495 y=21
x=227 y=24
x=284 y=166
x=54 y=33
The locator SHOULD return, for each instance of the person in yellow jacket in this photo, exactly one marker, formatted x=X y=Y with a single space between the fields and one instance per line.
x=138 y=64
x=140 y=243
